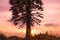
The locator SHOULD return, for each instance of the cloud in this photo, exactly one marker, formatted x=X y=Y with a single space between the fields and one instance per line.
x=51 y=24
x=4 y=5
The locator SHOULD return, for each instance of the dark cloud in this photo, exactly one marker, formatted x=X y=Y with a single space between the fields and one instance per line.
x=51 y=24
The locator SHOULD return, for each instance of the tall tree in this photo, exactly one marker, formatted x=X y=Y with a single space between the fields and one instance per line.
x=26 y=12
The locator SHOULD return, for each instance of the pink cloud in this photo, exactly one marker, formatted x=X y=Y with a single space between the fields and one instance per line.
x=51 y=1
x=4 y=5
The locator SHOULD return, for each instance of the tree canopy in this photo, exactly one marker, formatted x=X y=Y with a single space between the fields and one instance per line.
x=18 y=8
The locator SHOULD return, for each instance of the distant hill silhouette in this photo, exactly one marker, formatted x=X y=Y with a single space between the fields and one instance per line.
x=36 y=37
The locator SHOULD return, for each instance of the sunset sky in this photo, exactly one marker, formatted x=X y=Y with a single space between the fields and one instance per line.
x=50 y=23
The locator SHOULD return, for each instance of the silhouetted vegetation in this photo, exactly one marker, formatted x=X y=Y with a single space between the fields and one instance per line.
x=36 y=37
x=22 y=13
x=3 y=37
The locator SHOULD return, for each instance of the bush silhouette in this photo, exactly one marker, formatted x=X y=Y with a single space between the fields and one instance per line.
x=36 y=37
x=3 y=37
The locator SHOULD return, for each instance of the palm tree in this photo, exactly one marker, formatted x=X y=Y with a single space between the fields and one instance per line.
x=26 y=12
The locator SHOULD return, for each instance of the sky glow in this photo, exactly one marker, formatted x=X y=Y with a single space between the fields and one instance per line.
x=50 y=23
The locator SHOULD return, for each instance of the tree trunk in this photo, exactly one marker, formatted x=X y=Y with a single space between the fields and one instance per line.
x=28 y=31
x=28 y=27
x=28 y=22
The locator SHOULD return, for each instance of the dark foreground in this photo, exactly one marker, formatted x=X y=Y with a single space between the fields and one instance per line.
x=37 y=37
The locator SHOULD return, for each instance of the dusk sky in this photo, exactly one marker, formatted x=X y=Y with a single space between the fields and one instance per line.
x=50 y=23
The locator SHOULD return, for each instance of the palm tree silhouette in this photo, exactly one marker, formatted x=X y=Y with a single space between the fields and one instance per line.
x=26 y=12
